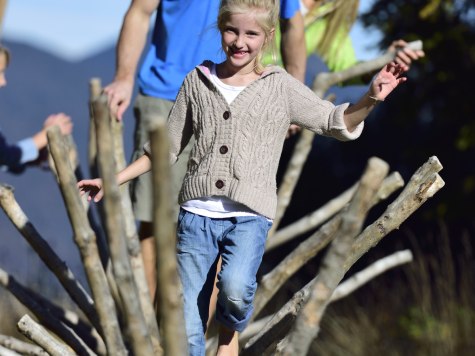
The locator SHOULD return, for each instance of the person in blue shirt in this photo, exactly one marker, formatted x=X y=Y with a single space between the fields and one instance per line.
x=15 y=157
x=183 y=36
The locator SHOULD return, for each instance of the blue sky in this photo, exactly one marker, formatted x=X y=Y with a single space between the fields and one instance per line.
x=77 y=29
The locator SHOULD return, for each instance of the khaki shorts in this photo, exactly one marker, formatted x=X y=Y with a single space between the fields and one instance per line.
x=146 y=109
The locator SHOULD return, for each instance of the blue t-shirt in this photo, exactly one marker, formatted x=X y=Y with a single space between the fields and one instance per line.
x=185 y=34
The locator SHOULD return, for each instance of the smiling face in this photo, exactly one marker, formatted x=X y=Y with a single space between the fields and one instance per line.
x=243 y=40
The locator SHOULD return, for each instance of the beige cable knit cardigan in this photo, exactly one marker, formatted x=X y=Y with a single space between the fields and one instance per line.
x=237 y=147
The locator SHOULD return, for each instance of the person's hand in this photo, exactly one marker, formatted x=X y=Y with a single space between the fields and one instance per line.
x=62 y=120
x=404 y=54
x=386 y=81
x=93 y=187
x=119 y=94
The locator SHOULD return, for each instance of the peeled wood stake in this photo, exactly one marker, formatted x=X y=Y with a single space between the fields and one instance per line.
x=86 y=241
x=272 y=281
x=60 y=269
x=115 y=230
x=168 y=292
x=24 y=348
x=27 y=298
x=42 y=337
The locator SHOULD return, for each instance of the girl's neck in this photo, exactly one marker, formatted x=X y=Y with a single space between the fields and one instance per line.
x=236 y=76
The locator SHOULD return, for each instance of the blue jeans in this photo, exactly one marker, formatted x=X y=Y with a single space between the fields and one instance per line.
x=240 y=241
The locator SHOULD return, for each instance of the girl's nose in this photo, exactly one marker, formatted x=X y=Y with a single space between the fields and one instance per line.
x=239 y=42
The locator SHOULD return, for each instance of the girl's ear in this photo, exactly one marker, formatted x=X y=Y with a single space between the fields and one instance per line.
x=271 y=34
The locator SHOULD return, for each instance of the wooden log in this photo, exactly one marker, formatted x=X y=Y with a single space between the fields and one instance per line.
x=169 y=290
x=422 y=186
x=311 y=220
x=424 y=183
x=330 y=274
x=86 y=241
x=25 y=297
x=273 y=280
x=7 y=352
x=42 y=337
x=263 y=339
x=133 y=243
x=70 y=319
x=59 y=268
x=95 y=88
x=115 y=230
x=23 y=348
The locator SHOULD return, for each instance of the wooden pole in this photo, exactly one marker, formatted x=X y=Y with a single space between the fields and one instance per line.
x=86 y=241
x=59 y=268
x=50 y=321
x=42 y=337
x=168 y=291
x=115 y=230
x=24 y=348
x=133 y=243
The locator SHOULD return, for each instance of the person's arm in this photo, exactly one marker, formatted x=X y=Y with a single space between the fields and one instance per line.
x=94 y=186
x=293 y=49
x=130 y=46
x=382 y=85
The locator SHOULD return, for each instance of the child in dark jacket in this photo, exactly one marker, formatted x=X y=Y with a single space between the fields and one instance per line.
x=15 y=157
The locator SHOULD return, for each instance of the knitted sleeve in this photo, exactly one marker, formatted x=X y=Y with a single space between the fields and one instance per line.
x=180 y=123
x=180 y=127
x=307 y=110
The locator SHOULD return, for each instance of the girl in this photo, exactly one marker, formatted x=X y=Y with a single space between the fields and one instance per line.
x=14 y=157
x=239 y=112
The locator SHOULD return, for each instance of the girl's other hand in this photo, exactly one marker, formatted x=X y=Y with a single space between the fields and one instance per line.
x=93 y=187
x=386 y=81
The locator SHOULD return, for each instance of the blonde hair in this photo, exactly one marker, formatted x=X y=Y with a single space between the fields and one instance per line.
x=267 y=16
x=6 y=53
x=340 y=16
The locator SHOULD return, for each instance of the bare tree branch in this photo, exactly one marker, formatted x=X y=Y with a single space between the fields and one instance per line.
x=372 y=271
x=311 y=220
x=422 y=186
x=26 y=297
x=47 y=254
x=169 y=291
x=42 y=337
x=133 y=243
x=344 y=289
x=272 y=281
x=21 y=347
x=331 y=272
x=115 y=229
x=424 y=183
x=86 y=241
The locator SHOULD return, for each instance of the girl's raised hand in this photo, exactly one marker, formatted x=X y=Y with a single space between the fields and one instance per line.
x=387 y=80
x=93 y=187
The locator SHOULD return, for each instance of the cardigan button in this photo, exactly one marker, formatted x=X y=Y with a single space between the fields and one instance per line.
x=219 y=184
x=223 y=149
x=226 y=115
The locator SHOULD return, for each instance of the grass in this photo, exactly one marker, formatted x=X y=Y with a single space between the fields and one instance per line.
x=424 y=308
